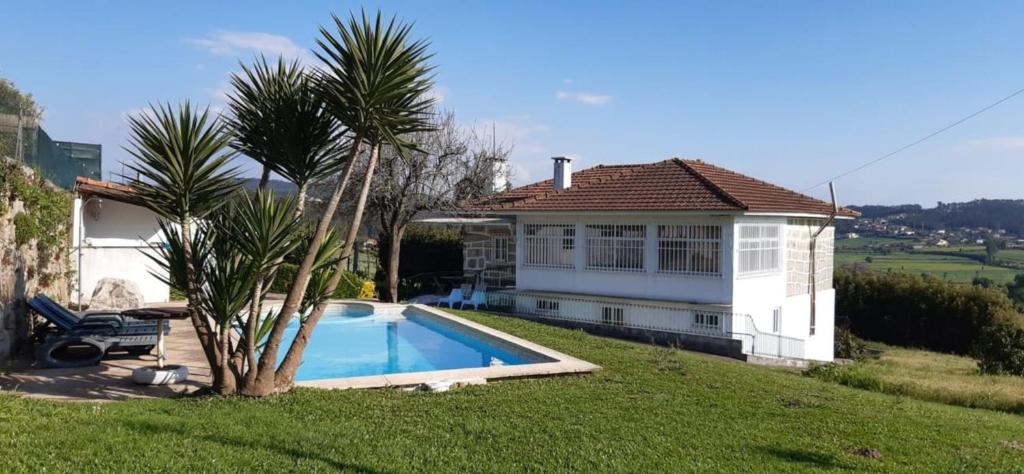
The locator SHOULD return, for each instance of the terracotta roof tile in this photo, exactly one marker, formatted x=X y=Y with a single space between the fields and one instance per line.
x=670 y=185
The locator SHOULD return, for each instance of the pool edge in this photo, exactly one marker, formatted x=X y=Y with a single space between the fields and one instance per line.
x=563 y=364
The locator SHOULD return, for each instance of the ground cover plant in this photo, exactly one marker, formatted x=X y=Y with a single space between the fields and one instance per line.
x=649 y=409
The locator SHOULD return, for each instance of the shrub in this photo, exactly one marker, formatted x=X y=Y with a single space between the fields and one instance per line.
x=847 y=345
x=351 y=285
x=1000 y=349
x=916 y=311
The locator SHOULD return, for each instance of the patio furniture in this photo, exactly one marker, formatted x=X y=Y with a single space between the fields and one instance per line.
x=162 y=374
x=478 y=299
x=87 y=340
x=66 y=319
x=454 y=297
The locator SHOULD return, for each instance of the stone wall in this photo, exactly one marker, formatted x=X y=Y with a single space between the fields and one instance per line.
x=489 y=254
x=28 y=268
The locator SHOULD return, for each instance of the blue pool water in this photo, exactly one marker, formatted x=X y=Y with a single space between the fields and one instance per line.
x=351 y=341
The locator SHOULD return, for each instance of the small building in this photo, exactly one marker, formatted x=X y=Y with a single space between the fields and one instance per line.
x=680 y=249
x=942 y=243
x=113 y=233
x=852 y=235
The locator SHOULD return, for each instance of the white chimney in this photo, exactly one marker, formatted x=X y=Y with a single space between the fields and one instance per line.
x=563 y=172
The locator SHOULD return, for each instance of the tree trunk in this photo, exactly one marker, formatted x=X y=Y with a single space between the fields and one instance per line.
x=265 y=378
x=265 y=177
x=284 y=378
x=204 y=331
x=394 y=249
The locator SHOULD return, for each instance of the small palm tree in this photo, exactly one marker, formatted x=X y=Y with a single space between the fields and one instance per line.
x=278 y=120
x=181 y=164
x=375 y=83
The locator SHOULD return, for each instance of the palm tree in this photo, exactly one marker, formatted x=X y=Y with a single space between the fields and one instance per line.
x=181 y=160
x=278 y=120
x=374 y=82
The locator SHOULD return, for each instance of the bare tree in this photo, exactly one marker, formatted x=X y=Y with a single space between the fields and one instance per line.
x=443 y=166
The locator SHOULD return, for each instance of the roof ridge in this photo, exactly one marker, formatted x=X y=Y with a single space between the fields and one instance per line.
x=623 y=169
x=766 y=183
x=714 y=186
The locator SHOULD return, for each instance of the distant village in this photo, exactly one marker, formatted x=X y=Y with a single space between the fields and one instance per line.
x=893 y=227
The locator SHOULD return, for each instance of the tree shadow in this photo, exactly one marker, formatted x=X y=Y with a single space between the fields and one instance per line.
x=150 y=427
x=808 y=458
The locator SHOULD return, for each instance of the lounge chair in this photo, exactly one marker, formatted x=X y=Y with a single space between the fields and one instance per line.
x=478 y=299
x=67 y=320
x=87 y=340
x=454 y=297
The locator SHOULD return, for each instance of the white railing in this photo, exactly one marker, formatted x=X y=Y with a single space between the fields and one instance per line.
x=648 y=315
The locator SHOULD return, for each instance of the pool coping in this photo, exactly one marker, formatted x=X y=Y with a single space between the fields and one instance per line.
x=561 y=364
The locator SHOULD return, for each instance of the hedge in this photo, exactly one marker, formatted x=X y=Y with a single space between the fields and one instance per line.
x=352 y=286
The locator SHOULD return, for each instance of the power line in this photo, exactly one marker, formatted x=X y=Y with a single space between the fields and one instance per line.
x=919 y=140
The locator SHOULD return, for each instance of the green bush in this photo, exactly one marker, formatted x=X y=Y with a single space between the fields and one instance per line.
x=847 y=345
x=916 y=311
x=1000 y=349
x=853 y=375
x=351 y=285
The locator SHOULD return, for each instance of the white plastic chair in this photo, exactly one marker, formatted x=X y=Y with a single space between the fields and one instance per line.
x=454 y=297
x=478 y=299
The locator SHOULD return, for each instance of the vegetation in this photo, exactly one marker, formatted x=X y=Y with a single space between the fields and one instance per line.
x=352 y=285
x=1005 y=214
x=962 y=268
x=15 y=102
x=925 y=375
x=649 y=409
x=427 y=252
x=45 y=221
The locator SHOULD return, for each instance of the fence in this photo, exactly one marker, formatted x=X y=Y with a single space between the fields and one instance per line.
x=651 y=316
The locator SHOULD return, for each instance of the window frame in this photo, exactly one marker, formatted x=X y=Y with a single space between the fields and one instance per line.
x=557 y=247
x=499 y=253
x=759 y=243
x=692 y=240
x=597 y=244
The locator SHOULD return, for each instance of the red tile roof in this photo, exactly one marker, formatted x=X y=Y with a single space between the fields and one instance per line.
x=106 y=189
x=670 y=185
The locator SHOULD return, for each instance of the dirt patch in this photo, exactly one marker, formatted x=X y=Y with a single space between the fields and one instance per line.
x=869 y=453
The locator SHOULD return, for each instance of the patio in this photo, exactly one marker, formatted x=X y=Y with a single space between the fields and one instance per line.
x=111 y=379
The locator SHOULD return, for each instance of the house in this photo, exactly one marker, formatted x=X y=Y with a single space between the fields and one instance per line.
x=112 y=235
x=679 y=250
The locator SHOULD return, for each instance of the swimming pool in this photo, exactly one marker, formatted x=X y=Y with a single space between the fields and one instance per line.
x=361 y=340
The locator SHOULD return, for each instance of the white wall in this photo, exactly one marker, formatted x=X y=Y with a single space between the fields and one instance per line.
x=648 y=284
x=114 y=237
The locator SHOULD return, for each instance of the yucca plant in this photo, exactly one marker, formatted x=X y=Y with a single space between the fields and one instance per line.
x=182 y=174
x=374 y=81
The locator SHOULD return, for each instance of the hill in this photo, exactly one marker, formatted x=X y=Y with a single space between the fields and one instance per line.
x=1005 y=214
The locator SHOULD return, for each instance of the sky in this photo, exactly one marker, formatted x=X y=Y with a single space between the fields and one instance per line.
x=789 y=92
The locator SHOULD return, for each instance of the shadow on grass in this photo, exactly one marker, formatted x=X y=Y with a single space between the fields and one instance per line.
x=149 y=427
x=807 y=458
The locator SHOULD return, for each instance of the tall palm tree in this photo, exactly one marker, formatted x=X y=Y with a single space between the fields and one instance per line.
x=374 y=80
x=181 y=164
x=278 y=120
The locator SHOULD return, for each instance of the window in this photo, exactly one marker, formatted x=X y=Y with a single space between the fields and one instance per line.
x=500 y=244
x=707 y=321
x=547 y=307
x=760 y=248
x=549 y=245
x=690 y=249
x=615 y=247
x=612 y=316
x=777 y=319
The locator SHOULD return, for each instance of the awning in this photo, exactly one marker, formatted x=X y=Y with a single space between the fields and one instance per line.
x=466 y=220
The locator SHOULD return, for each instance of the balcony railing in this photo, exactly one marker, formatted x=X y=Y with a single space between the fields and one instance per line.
x=648 y=315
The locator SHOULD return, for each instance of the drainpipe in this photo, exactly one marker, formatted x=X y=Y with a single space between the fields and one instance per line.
x=813 y=263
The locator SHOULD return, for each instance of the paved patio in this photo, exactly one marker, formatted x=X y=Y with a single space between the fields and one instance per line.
x=111 y=379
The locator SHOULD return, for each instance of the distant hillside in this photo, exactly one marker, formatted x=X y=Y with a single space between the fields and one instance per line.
x=991 y=213
x=279 y=187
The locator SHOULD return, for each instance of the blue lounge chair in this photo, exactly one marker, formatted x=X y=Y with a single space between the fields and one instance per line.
x=85 y=340
x=454 y=297
x=478 y=299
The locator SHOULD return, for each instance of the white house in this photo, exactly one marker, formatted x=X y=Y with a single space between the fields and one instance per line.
x=112 y=233
x=679 y=250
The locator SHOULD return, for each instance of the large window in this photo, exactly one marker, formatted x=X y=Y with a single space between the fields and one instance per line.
x=760 y=248
x=616 y=247
x=500 y=244
x=549 y=245
x=690 y=249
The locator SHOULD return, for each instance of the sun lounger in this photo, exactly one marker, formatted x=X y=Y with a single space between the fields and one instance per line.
x=478 y=299
x=111 y=317
x=454 y=297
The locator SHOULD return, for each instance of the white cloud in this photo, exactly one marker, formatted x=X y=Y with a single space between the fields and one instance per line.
x=585 y=98
x=993 y=144
x=239 y=43
x=438 y=93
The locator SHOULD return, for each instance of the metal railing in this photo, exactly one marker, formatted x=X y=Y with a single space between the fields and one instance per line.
x=648 y=315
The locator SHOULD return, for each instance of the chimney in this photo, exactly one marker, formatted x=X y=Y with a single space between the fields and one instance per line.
x=563 y=172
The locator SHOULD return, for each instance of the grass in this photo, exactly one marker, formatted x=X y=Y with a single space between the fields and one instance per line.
x=947 y=267
x=926 y=375
x=650 y=409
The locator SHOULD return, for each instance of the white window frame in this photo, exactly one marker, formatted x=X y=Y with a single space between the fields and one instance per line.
x=758 y=249
x=613 y=316
x=499 y=244
x=615 y=247
x=690 y=249
x=549 y=246
x=777 y=319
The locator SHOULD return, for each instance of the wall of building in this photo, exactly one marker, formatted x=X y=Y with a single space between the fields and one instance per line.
x=480 y=258
x=115 y=239
x=648 y=284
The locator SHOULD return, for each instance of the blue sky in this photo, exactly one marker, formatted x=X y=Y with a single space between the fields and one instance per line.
x=789 y=92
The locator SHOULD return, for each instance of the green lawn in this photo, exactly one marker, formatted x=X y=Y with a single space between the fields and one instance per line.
x=946 y=267
x=650 y=409
x=931 y=376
